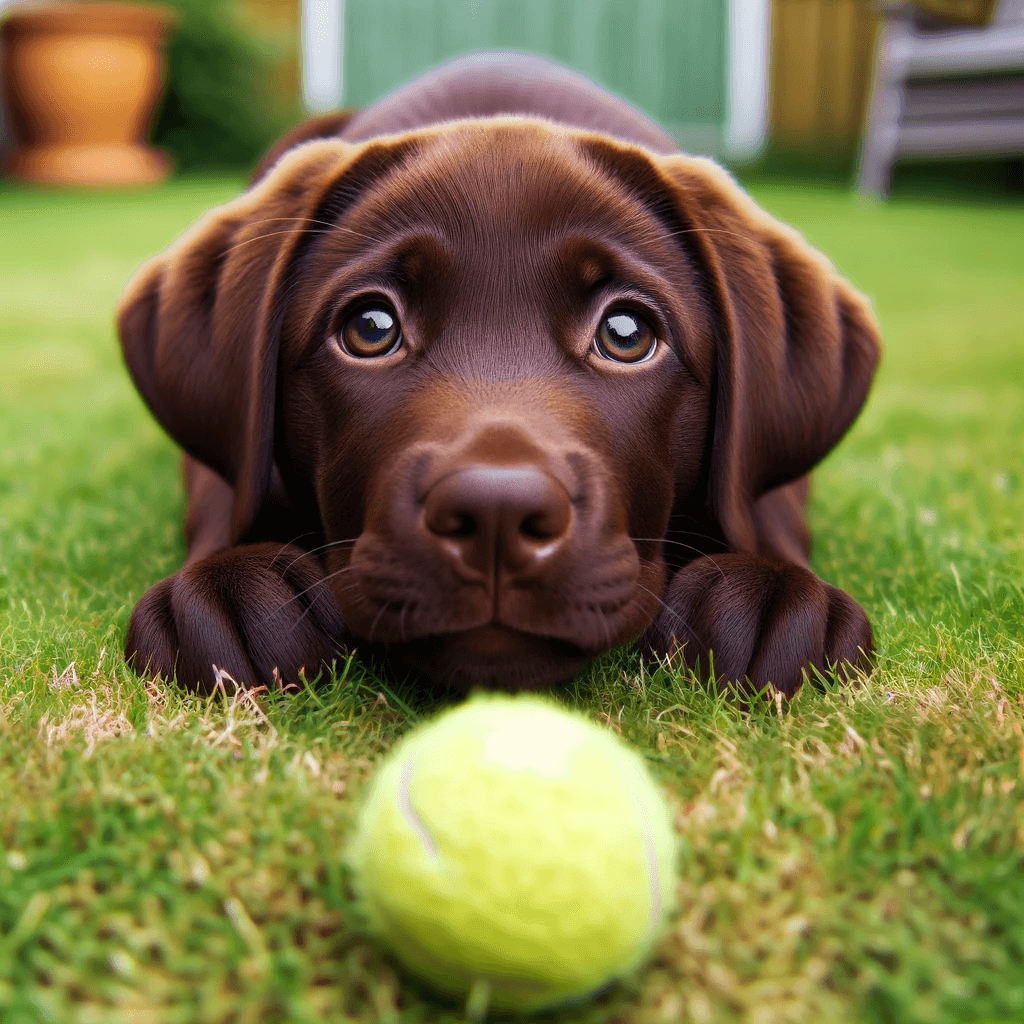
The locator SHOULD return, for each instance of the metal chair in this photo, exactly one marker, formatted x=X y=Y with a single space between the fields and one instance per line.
x=940 y=90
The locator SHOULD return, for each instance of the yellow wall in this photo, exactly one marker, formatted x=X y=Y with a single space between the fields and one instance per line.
x=821 y=70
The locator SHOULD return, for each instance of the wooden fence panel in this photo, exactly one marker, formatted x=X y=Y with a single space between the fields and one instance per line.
x=666 y=56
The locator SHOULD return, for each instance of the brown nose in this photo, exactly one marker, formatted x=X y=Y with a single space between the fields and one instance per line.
x=513 y=518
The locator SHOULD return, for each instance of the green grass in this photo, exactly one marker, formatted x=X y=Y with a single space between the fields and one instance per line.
x=849 y=856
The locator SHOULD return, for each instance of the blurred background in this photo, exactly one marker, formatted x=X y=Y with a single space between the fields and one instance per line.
x=882 y=95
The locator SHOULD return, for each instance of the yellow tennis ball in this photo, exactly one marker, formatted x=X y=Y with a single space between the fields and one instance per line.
x=515 y=851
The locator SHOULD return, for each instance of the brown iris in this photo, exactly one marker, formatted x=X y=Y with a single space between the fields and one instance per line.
x=373 y=331
x=625 y=337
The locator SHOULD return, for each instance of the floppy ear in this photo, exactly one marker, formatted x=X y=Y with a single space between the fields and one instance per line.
x=326 y=126
x=200 y=324
x=797 y=346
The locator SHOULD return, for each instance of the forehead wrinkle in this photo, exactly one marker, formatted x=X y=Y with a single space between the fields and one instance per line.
x=490 y=342
x=476 y=183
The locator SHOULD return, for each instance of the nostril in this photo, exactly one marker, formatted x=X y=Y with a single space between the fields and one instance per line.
x=446 y=521
x=463 y=525
x=535 y=528
x=547 y=523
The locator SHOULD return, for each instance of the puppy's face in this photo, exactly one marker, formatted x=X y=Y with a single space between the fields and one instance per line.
x=496 y=378
x=493 y=360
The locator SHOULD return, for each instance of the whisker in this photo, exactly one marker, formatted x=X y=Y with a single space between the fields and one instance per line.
x=671 y=612
x=668 y=540
x=294 y=220
x=335 y=226
x=373 y=625
x=697 y=533
x=689 y=547
x=301 y=593
x=291 y=543
x=751 y=243
x=406 y=605
x=260 y=238
x=316 y=550
x=660 y=601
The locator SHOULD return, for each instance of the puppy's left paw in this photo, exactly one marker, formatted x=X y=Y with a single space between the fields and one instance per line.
x=758 y=621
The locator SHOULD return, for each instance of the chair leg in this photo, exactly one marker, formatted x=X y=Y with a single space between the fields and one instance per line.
x=881 y=136
x=1015 y=174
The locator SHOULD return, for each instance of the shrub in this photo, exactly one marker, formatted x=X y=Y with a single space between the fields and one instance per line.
x=218 y=110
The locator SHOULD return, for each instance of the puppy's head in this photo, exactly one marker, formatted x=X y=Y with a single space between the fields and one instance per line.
x=495 y=358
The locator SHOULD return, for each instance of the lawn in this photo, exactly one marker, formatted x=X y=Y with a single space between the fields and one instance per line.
x=852 y=855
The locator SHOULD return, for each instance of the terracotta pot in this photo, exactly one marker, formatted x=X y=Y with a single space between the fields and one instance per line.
x=81 y=83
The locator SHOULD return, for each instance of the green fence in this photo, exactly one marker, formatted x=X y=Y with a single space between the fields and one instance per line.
x=666 y=56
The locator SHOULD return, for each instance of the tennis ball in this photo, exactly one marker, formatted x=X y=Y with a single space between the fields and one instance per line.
x=515 y=851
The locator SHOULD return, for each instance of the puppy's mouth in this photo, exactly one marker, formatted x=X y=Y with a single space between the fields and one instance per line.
x=493 y=656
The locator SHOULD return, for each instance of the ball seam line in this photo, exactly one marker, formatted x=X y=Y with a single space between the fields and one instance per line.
x=653 y=875
x=410 y=815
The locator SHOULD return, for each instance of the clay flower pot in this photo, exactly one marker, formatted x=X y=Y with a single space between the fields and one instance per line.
x=81 y=82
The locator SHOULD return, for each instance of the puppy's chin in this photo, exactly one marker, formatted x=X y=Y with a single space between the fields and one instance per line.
x=493 y=657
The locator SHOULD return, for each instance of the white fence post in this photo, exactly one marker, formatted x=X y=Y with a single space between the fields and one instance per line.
x=323 y=50
x=746 y=127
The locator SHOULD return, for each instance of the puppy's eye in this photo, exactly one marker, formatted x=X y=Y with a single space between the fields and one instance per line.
x=371 y=332
x=625 y=337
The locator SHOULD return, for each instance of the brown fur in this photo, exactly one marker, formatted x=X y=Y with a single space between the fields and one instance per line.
x=494 y=503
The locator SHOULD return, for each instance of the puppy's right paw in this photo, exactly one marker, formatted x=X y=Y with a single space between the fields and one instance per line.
x=247 y=611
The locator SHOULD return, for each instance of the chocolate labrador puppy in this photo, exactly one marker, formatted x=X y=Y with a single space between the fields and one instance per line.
x=493 y=378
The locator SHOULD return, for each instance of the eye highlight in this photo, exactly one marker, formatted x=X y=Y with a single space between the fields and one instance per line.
x=625 y=337
x=371 y=332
